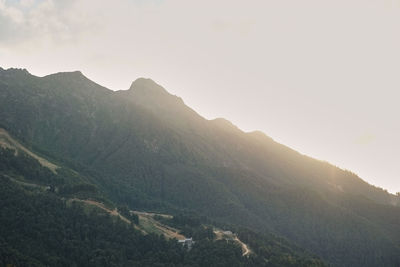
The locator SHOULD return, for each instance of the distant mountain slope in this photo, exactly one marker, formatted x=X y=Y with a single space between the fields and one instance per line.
x=146 y=148
x=52 y=219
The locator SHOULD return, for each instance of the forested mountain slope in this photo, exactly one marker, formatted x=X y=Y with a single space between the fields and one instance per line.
x=144 y=147
x=39 y=229
x=58 y=219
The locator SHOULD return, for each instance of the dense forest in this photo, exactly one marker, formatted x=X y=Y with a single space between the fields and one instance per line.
x=143 y=148
x=39 y=228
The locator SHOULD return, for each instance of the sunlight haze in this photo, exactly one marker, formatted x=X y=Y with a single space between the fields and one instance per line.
x=322 y=77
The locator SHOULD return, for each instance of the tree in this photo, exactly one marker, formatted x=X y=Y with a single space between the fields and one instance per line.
x=124 y=211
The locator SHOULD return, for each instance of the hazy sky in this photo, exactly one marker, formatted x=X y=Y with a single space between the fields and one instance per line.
x=322 y=77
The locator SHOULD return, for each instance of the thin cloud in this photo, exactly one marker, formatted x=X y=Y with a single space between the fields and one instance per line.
x=24 y=22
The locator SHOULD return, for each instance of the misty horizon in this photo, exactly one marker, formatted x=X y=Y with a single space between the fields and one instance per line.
x=321 y=78
x=393 y=191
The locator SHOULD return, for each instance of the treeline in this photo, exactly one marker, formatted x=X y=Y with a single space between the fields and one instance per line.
x=266 y=250
x=18 y=163
x=38 y=229
x=124 y=211
x=22 y=167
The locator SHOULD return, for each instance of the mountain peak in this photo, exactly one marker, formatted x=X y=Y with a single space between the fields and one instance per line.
x=143 y=81
x=13 y=71
x=151 y=95
x=147 y=86
x=76 y=81
x=69 y=74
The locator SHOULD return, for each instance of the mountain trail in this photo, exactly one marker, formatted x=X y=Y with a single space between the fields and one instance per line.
x=113 y=212
x=231 y=236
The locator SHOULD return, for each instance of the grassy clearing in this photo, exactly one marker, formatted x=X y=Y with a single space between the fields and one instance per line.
x=7 y=141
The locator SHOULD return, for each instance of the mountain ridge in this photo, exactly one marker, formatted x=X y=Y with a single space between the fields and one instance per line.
x=157 y=153
x=144 y=84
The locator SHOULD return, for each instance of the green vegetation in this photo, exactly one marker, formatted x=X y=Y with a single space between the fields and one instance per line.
x=145 y=149
x=38 y=229
x=266 y=250
x=124 y=211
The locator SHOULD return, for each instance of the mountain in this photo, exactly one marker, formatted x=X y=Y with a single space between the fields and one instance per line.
x=145 y=148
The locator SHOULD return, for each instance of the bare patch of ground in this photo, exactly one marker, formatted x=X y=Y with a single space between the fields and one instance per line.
x=42 y=187
x=151 y=214
x=7 y=141
x=149 y=224
x=113 y=212
x=220 y=234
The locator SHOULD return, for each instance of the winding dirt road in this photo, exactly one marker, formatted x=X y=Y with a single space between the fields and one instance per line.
x=222 y=235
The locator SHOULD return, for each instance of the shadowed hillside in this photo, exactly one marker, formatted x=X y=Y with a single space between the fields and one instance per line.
x=145 y=148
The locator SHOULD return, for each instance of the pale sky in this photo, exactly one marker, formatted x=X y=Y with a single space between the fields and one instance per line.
x=322 y=77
